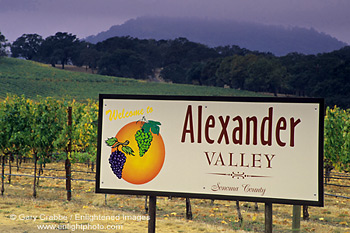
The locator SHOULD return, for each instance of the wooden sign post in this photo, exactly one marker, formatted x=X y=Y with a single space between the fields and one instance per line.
x=152 y=214
x=296 y=218
x=268 y=217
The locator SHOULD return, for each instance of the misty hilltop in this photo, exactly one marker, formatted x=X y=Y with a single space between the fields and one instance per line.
x=278 y=40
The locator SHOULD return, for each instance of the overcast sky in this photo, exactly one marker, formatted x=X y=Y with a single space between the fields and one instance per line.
x=89 y=17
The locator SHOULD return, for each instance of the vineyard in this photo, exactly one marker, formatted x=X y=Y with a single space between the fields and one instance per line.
x=337 y=139
x=47 y=142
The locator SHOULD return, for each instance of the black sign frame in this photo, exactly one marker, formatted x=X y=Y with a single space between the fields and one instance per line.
x=319 y=101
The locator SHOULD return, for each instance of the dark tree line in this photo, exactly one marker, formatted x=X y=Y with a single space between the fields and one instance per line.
x=182 y=61
x=62 y=48
x=3 y=45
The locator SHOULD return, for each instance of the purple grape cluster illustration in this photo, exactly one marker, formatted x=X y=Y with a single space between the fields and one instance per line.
x=117 y=159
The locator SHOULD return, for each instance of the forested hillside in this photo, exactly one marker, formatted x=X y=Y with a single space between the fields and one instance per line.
x=276 y=39
x=182 y=61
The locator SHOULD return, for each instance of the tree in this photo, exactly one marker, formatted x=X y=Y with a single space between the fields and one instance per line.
x=300 y=69
x=266 y=75
x=208 y=74
x=183 y=52
x=323 y=75
x=27 y=46
x=63 y=47
x=3 y=45
x=123 y=63
x=233 y=70
x=194 y=73
x=226 y=51
x=223 y=72
x=89 y=57
x=147 y=53
x=174 y=73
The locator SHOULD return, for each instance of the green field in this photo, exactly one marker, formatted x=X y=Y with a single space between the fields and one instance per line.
x=33 y=79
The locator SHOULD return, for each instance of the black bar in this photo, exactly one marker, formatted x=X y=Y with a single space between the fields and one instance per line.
x=339 y=185
x=333 y=195
x=50 y=177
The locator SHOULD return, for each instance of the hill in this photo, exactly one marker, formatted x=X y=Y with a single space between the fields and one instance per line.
x=278 y=40
x=33 y=79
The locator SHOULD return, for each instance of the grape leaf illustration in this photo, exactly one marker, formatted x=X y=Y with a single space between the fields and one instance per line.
x=154 y=122
x=151 y=125
x=111 y=141
x=128 y=150
x=154 y=125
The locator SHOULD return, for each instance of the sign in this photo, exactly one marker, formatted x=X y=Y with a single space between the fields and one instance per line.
x=252 y=149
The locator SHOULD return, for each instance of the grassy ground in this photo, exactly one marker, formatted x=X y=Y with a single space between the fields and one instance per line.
x=32 y=79
x=18 y=210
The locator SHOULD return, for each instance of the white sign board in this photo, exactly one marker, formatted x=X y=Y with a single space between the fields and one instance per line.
x=254 y=149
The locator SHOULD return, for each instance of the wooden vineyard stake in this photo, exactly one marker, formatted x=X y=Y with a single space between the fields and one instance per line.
x=188 y=209
x=35 y=168
x=239 y=213
x=146 y=206
x=67 y=163
x=2 y=175
x=306 y=214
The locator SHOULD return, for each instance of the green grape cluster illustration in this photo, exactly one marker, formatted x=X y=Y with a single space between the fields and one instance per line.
x=144 y=136
x=143 y=140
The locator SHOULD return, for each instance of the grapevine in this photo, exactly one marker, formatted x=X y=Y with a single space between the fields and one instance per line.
x=337 y=137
